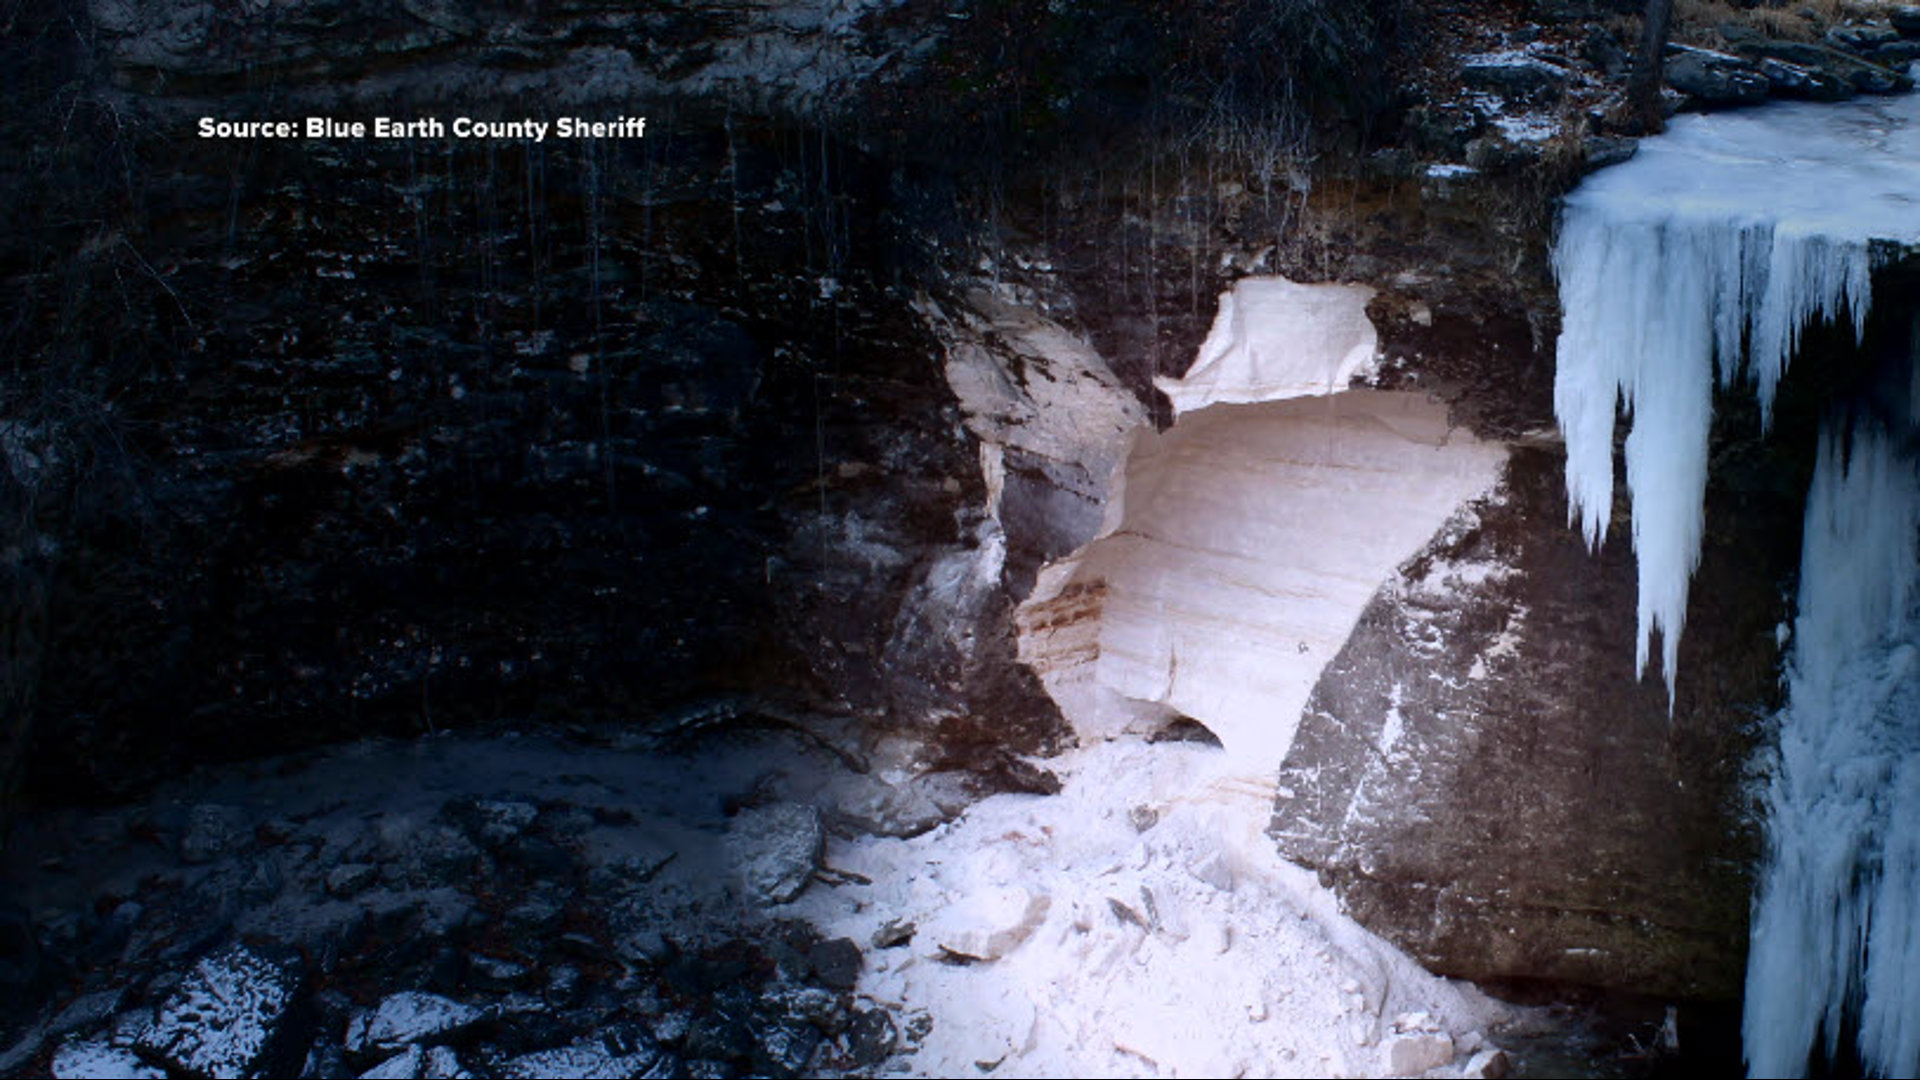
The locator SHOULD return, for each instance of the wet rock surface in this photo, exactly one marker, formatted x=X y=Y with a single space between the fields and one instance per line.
x=800 y=55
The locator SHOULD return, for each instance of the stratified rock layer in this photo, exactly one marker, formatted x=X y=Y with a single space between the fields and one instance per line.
x=1244 y=545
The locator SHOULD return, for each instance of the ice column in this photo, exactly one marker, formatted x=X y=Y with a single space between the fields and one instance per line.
x=1836 y=926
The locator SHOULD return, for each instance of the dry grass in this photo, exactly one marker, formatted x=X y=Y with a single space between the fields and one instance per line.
x=1794 y=20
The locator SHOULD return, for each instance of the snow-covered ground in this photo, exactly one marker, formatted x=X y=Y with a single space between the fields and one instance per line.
x=1139 y=924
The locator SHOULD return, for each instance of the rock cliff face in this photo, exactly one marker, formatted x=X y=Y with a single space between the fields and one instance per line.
x=1240 y=551
x=779 y=413
x=793 y=55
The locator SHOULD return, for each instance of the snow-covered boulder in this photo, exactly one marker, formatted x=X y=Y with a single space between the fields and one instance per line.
x=590 y=1059
x=230 y=1016
x=409 y=1018
x=776 y=850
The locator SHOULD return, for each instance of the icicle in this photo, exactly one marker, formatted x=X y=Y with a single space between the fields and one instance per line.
x=1836 y=925
x=1690 y=254
x=1721 y=241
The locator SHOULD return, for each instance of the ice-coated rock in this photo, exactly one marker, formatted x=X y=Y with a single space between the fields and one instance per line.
x=229 y=1016
x=776 y=849
x=98 y=1058
x=989 y=923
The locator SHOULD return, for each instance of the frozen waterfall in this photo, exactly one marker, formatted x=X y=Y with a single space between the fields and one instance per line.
x=1836 y=929
x=1705 y=257
x=1719 y=242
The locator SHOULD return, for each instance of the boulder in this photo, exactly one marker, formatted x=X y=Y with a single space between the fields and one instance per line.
x=1484 y=782
x=419 y=1063
x=1190 y=605
x=1861 y=75
x=411 y=1017
x=86 y=1059
x=776 y=850
x=786 y=1047
x=1896 y=54
x=1718 y=79
x=1419 y=1052
x=351 y=879
x=1516 y=78
x=231 y=1016
x=1861 y=37
x=593 y=1058
x=871 y=1038
x=1489 y=1064
x=213 y=831
x=836 y=962
x=1906 y=19
x=1796 y=81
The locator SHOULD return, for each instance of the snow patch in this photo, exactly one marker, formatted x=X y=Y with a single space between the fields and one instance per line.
x=1527 y=127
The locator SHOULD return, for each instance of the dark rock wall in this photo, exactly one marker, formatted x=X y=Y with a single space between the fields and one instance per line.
x=320 y=437
x=416 y=436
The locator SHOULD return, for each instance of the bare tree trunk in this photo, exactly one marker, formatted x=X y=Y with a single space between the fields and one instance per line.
x=1643 y=93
